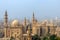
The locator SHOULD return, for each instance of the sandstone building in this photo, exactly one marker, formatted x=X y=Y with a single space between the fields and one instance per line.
x=26 y=30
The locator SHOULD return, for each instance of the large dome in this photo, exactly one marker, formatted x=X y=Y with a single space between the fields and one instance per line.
x=15 y=23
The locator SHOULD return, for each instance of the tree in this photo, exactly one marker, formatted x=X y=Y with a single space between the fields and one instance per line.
x=58 y=38
x=53 y=37
x=12 y=38
x=36 y=37
x=45 y=38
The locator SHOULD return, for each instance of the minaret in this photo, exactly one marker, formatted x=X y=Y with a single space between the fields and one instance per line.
x=5 y=19
x=29 y=33
x=34 y=28
x=51 y=22
x=33 y=18
x=25 y=25
x=25 y=22
x=52 y=27
x=6 y=24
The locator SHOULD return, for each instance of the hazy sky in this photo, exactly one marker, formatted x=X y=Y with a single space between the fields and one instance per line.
x=44 y=9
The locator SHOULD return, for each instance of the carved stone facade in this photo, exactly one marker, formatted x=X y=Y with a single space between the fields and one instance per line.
x=26 y=30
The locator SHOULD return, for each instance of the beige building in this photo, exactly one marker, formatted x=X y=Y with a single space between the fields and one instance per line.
x=57 y=31
x=26 y=30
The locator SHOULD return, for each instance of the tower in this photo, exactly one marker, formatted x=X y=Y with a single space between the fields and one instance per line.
x=5 y=19
x=29 y=33
x=34 y=23
x=33 y=18
x=6 y=24
x=25 y=21
x=52 y=27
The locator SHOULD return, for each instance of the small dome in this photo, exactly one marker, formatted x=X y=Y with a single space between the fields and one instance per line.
x=15 y=23
x=45 y=22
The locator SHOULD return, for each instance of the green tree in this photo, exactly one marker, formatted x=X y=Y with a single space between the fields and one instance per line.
x=45 y=38
x=53 y=37
x=12 y=38
x=58 y=38
x=36 y=37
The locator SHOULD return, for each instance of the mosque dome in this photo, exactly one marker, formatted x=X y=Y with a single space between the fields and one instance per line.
x=15 y=23
x=45 y=22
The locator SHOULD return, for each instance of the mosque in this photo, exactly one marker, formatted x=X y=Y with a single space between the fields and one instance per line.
x=26 y=30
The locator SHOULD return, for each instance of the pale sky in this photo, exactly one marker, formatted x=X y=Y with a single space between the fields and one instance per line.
x=43 y=9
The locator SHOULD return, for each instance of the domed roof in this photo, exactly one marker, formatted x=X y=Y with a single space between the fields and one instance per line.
x=15 y=23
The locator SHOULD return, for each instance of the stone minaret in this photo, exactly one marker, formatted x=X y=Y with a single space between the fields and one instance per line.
x=34 y=23
x=52 y=28
x=6 y=19
x=6 y=24
x=25 y=21
x=29 y=34
x=33 y=18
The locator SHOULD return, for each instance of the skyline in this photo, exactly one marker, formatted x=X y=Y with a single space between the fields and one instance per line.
x=43 y=9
